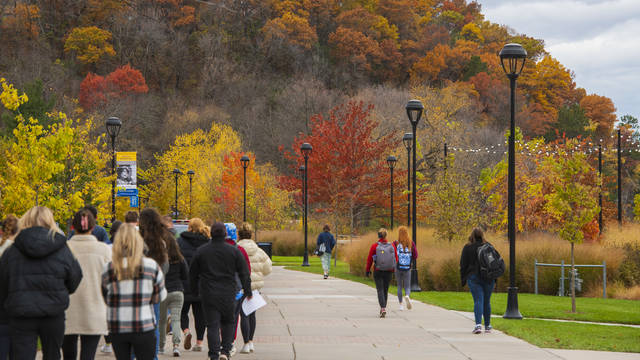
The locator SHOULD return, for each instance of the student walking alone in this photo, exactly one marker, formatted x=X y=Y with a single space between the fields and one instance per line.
x=325 y=243
x=481 y=289
x=131 y=285
x=383 y=255
x=37 y=275
x=406 y=252
x=87 y=312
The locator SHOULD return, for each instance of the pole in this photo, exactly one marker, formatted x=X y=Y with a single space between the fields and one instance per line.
x=113 y=182
x=512 y=299
x=175 y=212
x=415 y=287
x=408 y=187
x=619 y=179
x=190 y=198
x=445 y=156
x=244 y=216
x=305 y=260
x=391 y=198
x=600 y=194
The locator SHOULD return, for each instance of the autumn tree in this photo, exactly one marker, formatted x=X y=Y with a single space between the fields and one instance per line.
x=90 y=44
x=347 y=168
x=601 y=111
x=96 y=90
x=572 y=201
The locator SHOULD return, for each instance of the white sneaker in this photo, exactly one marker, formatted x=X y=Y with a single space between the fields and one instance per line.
x=176 y=351
x=233 y=350
x=251 y=346
x=401 y=308
x=477 y=329
x=106 y=348
x=408 y=302
x=245 y=349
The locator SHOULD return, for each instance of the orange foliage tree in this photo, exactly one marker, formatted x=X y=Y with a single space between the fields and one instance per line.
x=96 y=90
x=90 y=44
x=601 y=111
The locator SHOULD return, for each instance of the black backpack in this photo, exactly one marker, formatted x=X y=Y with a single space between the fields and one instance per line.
x=490 y=263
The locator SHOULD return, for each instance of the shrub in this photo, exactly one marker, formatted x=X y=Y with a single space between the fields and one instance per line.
x=286 y=242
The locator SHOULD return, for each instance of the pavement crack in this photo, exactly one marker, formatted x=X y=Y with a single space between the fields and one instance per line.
x=289 y=330
x=293 y=345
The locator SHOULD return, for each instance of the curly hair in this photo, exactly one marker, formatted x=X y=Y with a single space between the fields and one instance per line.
x=155 y=234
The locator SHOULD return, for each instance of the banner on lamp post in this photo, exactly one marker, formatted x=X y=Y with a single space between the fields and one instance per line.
x=126 y=170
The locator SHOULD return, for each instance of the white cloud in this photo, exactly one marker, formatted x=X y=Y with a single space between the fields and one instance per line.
x=599 y=40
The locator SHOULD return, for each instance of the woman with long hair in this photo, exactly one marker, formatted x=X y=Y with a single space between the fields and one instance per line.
x=155 y=233
x=87 y=313
x=481 y=289
x=9 y=231
x=131 y=285
x=37 y=275
x=197 y=234
x=406 y=252
x=178 y=274
x=260 y=265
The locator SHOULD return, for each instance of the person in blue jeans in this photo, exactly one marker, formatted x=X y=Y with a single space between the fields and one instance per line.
x=480 y=289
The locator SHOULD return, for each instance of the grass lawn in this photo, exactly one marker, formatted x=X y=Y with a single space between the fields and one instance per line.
x=538 y=332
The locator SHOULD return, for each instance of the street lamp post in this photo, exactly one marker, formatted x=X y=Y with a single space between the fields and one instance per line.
x=414 y=112
x=512 y=58
x=177 y=173
x=391 y=161
x=190 y=173
x=306 y=149
x=245 y=163
x=600 y=193
x=113 y=128
x=407 y=139
x=619 y=178
x=302 y=169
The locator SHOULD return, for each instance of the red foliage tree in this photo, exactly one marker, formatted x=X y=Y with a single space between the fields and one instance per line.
x=92 y=91
x=347 y=169
x=96 y=90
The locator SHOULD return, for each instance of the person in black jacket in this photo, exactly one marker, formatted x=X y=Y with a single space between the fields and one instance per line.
x=212 y=275
x=470 y=275
x=174 y=278
x=37 y=274
x=189 y=241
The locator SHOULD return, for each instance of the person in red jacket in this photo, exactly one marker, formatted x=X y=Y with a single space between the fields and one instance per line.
x=383 y=254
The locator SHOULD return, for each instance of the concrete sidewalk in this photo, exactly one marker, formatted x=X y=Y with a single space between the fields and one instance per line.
x=310 y=318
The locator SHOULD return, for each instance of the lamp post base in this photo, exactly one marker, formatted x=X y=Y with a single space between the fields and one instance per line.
x=512 y=305
x=305 y=259
x=415 y=286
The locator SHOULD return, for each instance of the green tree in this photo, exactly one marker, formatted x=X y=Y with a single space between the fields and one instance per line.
x=572 y=121
x=572 y=201
x=37 y=107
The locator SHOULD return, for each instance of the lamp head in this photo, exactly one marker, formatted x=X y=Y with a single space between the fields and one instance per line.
x=245 y=161
x=113 y=126
x=177 y=172
x=407 y=139
x=191 y=173
x=414 y=111
x=512 y=58
x=306 y=149
x=391 y=161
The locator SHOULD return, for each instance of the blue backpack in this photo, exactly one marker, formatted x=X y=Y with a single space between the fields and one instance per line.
x=404 y=257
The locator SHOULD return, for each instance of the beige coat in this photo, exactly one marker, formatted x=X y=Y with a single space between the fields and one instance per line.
x=260 y=263
x=87 y=312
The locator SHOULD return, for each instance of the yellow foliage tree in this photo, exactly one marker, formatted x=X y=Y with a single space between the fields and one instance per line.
x=90 y=44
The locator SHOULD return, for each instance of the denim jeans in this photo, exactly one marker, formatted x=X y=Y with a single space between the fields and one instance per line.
x=481 y=292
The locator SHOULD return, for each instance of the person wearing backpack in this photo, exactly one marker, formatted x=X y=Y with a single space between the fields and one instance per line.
x=406 y=252
x=383 y=254
x=475 y=272
x=324 y=245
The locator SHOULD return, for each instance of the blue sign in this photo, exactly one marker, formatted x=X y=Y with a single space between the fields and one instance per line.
x=128 y=192
x=133 y=201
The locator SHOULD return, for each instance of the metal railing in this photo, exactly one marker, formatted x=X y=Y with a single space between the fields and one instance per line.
x=562 y=266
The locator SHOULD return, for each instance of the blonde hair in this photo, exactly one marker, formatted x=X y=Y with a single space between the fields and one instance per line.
x=403 y=237
x=196 y=225
x=128 y=247
x=382 y=233
x=39 y=216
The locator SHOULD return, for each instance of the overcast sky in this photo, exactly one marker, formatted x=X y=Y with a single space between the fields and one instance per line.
x=597 y=39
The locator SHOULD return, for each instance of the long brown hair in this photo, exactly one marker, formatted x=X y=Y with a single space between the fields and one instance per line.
x=476 y=236
x=173 y=251
x=128 y=248
x=155 y=235
x=9 y=228
x=403 y=237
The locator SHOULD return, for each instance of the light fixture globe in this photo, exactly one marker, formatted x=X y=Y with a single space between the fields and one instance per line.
x=306 y=149
x=177 y=172
x=245 y=161
x=391 y=161
x=512 y=58
x=407 y=139
x=301 y=169
x=113 y=126
x=414 y=111
x=191 y=173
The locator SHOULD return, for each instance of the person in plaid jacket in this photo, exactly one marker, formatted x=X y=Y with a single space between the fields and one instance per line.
x=131 y=284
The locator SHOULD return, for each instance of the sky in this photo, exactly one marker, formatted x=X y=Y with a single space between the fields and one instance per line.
x=599 y=40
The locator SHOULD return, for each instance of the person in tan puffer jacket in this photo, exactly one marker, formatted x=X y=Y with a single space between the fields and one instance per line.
x=260 y=267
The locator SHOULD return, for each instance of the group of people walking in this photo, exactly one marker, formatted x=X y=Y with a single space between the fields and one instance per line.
x=126 y=287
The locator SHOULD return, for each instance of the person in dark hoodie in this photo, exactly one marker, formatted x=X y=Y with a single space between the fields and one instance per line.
x=37 y=274
x=212 y=275
x=189 y=241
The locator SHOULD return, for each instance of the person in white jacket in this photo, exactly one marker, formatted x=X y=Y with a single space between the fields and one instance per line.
x=260 y=267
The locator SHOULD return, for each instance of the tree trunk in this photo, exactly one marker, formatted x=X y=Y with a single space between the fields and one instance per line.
x=573 y=282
